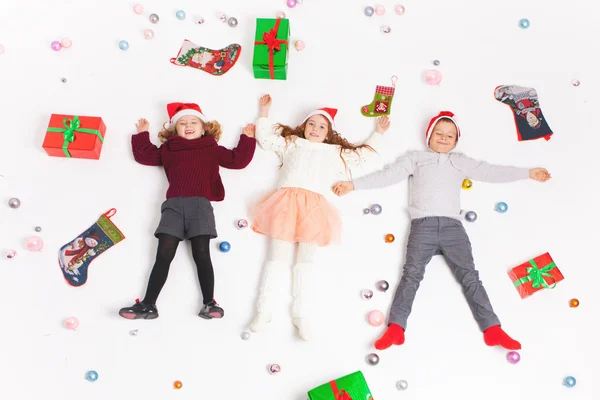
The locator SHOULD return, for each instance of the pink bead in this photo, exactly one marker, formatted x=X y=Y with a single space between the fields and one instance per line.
x=1 y=49
x=513 y=357
x=35 y=243
x=380 y=10
x=299 y=45
x=66 y=43
x=376 y=318
x=291 y=3
x=280 y=14
x=433 y=77
x=138 y=9
x=400 y=9
x=56 y=46
x=72 y=323
x=148 y=34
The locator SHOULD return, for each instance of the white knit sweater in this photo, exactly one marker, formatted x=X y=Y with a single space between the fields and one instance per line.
x=316 y=166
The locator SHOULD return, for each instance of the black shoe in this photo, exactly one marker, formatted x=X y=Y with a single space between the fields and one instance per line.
x=211 y=310
x=139 y=311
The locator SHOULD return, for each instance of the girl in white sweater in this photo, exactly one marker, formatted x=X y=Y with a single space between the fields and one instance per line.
x=314 y=156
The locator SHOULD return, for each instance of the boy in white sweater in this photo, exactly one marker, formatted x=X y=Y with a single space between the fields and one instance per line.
x=435 y=178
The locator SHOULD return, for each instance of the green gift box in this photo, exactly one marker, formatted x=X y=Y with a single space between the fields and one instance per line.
x=349 y=387
x=271 y=48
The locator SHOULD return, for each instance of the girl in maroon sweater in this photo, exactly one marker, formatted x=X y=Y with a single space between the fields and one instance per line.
x=191 y=158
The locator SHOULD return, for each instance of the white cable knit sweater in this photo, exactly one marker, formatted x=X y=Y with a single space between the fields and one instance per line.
x=315 y=166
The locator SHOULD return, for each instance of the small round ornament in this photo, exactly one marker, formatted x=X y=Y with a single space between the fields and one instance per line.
x=471 y=216
x=400 y=9
x=199 y=21
x=513 y=357
x=38 y=228
x=148 y=34
x=467 y=184
x=154 y=18
x=177 y=384
x=35 y=243
x=134 y=332
x=280 y=15
x=574 y=303
x=367 y=211
x=386 y=29
x=524 y=23
x=402 y=384
x=373 y=359
x=224 y=247
x=379 y=9
x=369 y=11
x=575 y=82
x=232 y=22
x=383 y=286
x=501 y=207
x=436 y=62
x=10 y=254
x=274 y=369
x=66 y=43
x=291 y=3
x=389 y=238
x=138 y=9
x=14 y=203
x=376 y=318
x=91 y=376
x=124 y=45
x=241 y=224
x=433 y=77
x=570 y=381
x=299 y=45
x=63 y=80
x=72 y=323
x=376 y=209
x=366 y=294
x=55 y=45
x=180 y=15
x=245 y=335
x=222 y=17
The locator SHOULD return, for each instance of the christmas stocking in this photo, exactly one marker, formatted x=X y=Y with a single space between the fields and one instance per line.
x=382 y=102
x=525 y=105
x=215 y=62
x=76 y=256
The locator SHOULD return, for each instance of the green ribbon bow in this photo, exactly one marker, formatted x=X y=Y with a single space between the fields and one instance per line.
x=72 y=126
x=537 y=276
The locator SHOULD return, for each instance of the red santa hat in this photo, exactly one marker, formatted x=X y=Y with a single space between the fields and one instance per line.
x=328 y=113
x=443 y=114
x=178 y=110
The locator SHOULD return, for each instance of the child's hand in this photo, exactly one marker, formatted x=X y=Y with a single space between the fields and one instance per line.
x=142 y=125
x=539 y=174
x=265 y=104
x=342 y=188
x=382 y=124
x=249 y=130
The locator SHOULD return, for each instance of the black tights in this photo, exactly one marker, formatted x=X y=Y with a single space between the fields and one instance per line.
x=167 y=246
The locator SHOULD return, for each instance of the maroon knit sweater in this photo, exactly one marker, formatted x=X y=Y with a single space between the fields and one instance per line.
x=192 y=166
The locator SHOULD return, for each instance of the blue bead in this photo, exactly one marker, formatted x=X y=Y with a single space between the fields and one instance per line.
x=570 y=381
x=501 y=207
x=224 y=247
x=91 y=376
x=180 y=14
x=524 y=23
x=123 y=45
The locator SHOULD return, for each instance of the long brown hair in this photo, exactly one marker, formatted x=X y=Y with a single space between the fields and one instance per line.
x=212 y=128
x=333 y=137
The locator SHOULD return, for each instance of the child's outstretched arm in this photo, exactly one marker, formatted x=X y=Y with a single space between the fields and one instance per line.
x=364 y=156
x=485 y=172
x=144 y=151
x=240 y=156
x=266 y=137
x=390 y=175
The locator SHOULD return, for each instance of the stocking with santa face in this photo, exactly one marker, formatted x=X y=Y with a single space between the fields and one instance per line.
x=76 y=256
x=215 y=62
x=525 y=105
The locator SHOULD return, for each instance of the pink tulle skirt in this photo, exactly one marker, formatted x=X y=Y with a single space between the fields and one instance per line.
x=297 y=215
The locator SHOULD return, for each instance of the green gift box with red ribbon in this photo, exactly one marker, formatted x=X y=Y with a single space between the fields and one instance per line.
x=349 y=387
x=74 y=136
x=271 y=48
x=536 y=274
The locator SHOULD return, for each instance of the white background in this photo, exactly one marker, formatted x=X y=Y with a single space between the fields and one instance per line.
x=480 y=46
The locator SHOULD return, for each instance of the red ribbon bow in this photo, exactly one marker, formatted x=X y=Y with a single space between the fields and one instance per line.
x=270 y=39
x=343 y=395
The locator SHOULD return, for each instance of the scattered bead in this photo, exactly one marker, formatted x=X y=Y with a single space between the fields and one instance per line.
x=574 y=303
x=241 y=224
x=66 y=43
x=402 y=384
x=72 y=323
x=366 y=294
x=138 y=9
x=180 y=15
x=200 y=21
x=274 y=369
x=232 y=22
x=56 y=46
x=224 y=247
x=14 y=203
x=501 y=207
x=369 y=11
x=376 y=318
x=379 y=10
x=10 y=254
x=467 y=184
x=513 y=357
x=383 y=286
x=123 y=45
x=148 y=34
x=299 y=45
x=222 y=17
x=245 y=335
x=63 y=80
x=35 y=243
x=433 y=77
x=400 y=9
x=373 y=359
x=575 y=82
x=570 y=381
x=177 y=384
x=471 y=216
x=367 y=211
x=133 y=332
x=39 y=228
x=386 y=29
x=91 y=376
x=389 y=238
x=524 y=23
x=436 y=62
x=154 y=18
x=291 y=3
x=376 y=209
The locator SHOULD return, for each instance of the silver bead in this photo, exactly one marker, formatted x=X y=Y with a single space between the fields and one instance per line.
x=366 y=211
x=376 y=209
x=373 y=359
x=436 y=62
x=471 y=216
x=153 y=18
x=133 y=332
x=63 y=80
x=232 y=22
x=38 y=228
x=241 y=224
x=385 y=29
x=367 y=294
x=14 y=203
x=575 y=82
x=274 y=369
x=383 y=285
x=200 y=21
x=402 y=384
x=246 y=335
x=369 y=11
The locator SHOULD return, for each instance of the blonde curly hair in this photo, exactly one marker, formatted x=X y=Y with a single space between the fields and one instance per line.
x=212 y=128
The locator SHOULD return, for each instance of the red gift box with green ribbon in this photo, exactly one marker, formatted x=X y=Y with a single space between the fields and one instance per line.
x=535 y=275
x=74 y=136
x=349 y=387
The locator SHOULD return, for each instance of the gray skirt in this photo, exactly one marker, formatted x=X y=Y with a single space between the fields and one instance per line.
x=187 y=217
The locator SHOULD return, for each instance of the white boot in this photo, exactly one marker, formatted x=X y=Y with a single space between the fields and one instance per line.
x=260 y=320
x=303 y=326
x=300 y=288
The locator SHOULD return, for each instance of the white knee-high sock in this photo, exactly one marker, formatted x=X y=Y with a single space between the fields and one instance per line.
x=302 y=276
x=271 y=282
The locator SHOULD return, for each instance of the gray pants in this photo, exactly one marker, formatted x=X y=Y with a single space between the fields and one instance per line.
x=446 y=236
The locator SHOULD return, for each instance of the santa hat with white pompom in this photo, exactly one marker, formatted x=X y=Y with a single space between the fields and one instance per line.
x=178 y=110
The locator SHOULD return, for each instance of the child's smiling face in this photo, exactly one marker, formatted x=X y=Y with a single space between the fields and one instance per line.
x=316 y=129
x=189 y=127
x=443 y=137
